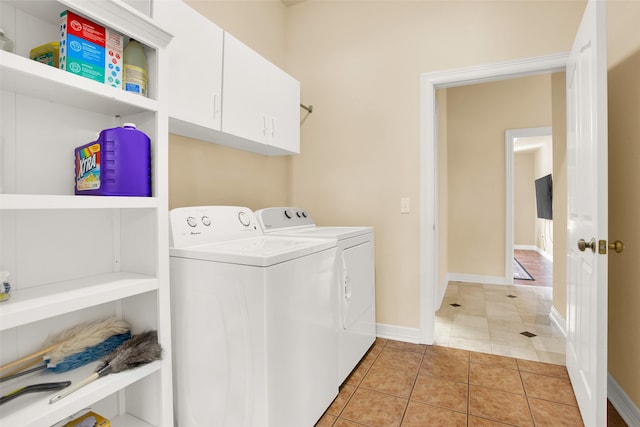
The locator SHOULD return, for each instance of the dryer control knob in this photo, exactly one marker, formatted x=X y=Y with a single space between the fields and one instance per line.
x=192 y=221
x=244 y=219
x=304 y=214
x=206 y=220
x=287 y=213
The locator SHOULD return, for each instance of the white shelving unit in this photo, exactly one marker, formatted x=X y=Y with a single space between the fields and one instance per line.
x=72 y=258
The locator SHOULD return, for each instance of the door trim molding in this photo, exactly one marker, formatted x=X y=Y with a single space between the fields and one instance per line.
x=429 y=223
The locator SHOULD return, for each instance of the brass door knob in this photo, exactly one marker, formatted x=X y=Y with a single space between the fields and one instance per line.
x=583 y=245
x=617 y=246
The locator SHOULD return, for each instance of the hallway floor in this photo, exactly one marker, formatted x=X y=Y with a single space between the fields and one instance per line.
x=540 y=268
x=503 y=320
x=403 y=384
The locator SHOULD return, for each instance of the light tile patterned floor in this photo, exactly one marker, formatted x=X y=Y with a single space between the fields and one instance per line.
x=492 y=318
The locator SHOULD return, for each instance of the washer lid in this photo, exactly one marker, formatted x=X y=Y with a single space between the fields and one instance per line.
x=260 y=251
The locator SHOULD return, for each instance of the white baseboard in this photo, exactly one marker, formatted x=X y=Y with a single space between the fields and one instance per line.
x=475 y=278
x=546 y=255
x=398 y=333
x=526 y=247
x=533 y=248
x=623 y=404
x=558 y=320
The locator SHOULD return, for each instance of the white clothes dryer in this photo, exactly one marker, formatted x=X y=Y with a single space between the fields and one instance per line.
x=253 y=337
x=355 y=278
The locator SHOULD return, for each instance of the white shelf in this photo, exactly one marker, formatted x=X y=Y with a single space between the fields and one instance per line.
x=56 y=276
x=37 y=201
x=28 y=77
x=34 y=410
x=116 y=15
x=42 y=302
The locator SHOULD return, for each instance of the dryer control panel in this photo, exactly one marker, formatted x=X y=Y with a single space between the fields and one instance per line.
x=209 y=224
x=281 y=218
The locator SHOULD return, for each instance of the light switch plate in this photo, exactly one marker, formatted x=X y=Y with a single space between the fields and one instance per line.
x=405 y=205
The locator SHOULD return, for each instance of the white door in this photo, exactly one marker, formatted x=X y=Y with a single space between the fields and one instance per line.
x=587 y=215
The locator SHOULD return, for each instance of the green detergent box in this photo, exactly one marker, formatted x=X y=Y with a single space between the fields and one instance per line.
x=90 y=50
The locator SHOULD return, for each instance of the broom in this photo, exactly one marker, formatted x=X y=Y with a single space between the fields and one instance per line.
x=73 y=347
x=139 y=350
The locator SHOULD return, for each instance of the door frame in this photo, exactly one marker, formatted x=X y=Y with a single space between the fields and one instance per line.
x=510 y=136
x=430 y=296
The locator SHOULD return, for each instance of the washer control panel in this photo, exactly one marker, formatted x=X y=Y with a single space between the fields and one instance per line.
x=283 y=218
x=209 y=224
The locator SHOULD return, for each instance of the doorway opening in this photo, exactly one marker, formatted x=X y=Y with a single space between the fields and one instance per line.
x=433 y=280
x=529 y=226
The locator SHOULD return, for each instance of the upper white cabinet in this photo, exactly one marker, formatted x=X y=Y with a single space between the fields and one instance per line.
x=260 y=101
x=74 y=259
x=224 y=92
x=195 y=67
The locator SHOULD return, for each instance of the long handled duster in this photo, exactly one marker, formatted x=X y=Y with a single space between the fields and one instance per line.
x=72 y=347
x=139 y=350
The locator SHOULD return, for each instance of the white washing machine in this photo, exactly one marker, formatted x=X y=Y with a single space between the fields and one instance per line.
x=355 y=278
x=254 y=342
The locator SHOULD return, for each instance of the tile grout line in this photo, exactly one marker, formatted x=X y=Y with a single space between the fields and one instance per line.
x=526 y=395
x=413 y=386
x=469 y=390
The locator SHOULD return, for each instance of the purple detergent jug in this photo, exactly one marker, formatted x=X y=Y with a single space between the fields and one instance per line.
x=118 y=163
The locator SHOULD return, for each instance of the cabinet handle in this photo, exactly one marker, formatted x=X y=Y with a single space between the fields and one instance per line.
x=216 y=110
x=264 y=124
x=273 y=127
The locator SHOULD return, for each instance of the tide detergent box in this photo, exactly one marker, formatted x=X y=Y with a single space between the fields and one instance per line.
x=90 y=50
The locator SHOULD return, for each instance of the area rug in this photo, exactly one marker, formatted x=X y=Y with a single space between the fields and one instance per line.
x=519 y=272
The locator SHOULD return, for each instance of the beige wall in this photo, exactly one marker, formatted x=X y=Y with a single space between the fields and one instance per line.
x=624 y=223
x=359 y=64
x=478 y=116
x=524 y=199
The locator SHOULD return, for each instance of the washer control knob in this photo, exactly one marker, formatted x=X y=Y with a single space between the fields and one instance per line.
x=287 y=213
x=192 y=221
x=206 y=220
x=303 y=213
x=244 y=219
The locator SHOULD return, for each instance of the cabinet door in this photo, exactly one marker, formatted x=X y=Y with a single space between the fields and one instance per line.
x=195 y=65
x=284 y=111
x=246 y=77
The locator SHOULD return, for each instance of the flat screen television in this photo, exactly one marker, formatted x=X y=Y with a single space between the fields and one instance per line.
x=544 y=197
